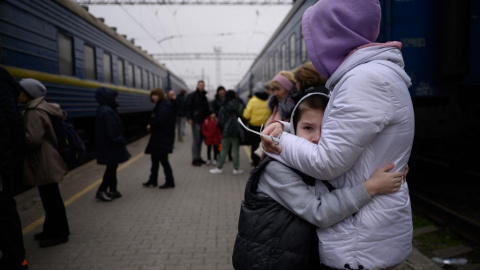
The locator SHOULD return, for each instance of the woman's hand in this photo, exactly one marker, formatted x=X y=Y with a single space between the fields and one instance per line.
x=384 y=182
x=274 y=129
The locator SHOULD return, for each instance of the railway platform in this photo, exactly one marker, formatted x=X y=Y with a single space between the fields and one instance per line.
x=189 y=227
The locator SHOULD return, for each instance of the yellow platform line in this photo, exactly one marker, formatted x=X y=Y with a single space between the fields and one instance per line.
x=77 y=196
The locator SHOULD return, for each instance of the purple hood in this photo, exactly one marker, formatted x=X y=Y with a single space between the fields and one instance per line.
x=333 y=28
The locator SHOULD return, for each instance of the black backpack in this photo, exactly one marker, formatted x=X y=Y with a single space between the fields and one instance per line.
x=70 y=146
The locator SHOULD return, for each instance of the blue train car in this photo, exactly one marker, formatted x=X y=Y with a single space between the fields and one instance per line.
x=440 y=41
x=59 y=43
x=284 y=51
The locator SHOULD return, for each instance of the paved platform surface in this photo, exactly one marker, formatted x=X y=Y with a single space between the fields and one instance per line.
x=190 y=227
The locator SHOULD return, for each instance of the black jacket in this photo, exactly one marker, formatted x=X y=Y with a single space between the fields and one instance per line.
x=216 y=104
x=110 y=144
x=162 y=128
x=12 y=133
x=227 y=118
x=197 y=106
x=270 y=236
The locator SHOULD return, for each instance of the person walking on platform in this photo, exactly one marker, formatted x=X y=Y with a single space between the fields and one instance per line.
x=215 y=106
x=227 y=121
x=162 y=128
x=12 y=145
x=43 y=166
x=257 y=113
x=109 y=141
x=181 y=115
x=197 y=109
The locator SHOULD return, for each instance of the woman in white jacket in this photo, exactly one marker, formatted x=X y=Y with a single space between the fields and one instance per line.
x=368 y=123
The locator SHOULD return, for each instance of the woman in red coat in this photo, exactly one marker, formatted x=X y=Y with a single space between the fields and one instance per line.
x=213 y=136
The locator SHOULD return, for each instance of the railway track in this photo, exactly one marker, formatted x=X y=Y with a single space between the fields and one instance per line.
x=464 y=226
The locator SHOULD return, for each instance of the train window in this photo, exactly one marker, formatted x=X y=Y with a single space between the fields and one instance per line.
x=272 y=66
x=152 y=79
x=138 y=77
x=283 y=56
x=130 y=75
x=265 y=72
x=120 y=72
x=107 y=68
x=275 y=63
x=146 y=80
x=89 y=58
x=65 y=55
x=292 y=50
x=303 y=48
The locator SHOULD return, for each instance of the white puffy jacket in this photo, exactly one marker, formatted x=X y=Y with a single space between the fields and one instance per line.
x=368 y=123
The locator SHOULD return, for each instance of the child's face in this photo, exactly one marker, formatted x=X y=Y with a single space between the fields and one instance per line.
x=310 y=125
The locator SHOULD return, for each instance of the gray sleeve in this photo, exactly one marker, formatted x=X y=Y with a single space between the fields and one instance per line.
x=287 y=188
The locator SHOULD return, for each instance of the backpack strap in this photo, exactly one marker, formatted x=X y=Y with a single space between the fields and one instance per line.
x=252 y=183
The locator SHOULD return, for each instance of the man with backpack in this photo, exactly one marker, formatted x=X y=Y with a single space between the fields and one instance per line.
x=43 y=166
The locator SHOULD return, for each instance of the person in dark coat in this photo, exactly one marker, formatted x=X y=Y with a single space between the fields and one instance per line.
x=227 y=121
x=162 y=129
x=12 y=144
x=219 y=100
x=197 y=109
x=110 y=143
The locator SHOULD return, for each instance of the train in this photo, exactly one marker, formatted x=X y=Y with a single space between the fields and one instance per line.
x=61 y=44
x=440 y=41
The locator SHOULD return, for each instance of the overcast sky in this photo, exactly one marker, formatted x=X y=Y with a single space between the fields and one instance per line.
x=197 y=29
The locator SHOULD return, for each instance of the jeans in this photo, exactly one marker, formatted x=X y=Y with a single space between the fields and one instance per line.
x=181 y=121
x=197 y=141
